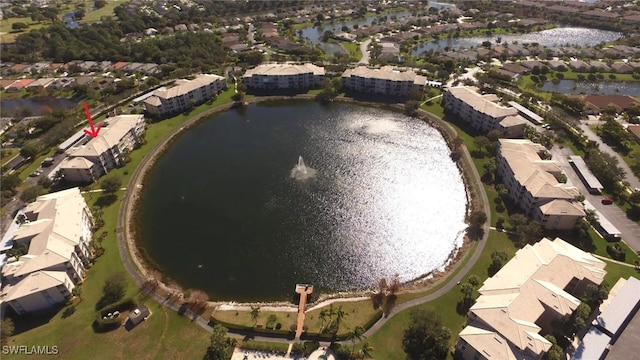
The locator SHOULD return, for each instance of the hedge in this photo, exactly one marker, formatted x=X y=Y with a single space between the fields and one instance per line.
x=264 y=346
x=104 y=325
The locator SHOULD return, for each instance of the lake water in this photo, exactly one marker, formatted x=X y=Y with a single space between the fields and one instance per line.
x=591 y=87
x=35 y=106
x=552 y=37
x=220 y=210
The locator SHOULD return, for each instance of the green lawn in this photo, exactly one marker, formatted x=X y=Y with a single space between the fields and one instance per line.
x=387 y=342
x=7 y=34
x=97 y=14
x=164 y=335
x=353 y=48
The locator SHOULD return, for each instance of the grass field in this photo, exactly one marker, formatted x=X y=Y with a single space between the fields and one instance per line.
x=164 y=335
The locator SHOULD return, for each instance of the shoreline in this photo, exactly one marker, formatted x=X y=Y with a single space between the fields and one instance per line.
x=149 y=271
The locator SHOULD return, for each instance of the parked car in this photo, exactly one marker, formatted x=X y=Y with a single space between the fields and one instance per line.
x=607 y=201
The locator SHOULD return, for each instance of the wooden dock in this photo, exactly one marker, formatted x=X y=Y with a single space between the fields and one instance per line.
x=303 y=290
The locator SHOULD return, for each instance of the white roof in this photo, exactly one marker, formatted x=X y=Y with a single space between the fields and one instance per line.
x=485 y=104
x=36 y=282
x=284 y=69
x=76 y=163
x=385 y=73
x=521 y=292
x=621 y=306
x=534 y=173
x=109 y=136
x=184 y=86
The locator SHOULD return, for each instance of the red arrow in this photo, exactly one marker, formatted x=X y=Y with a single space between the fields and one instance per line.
x=94 y=131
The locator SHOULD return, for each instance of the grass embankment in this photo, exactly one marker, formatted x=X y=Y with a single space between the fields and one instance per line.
x=353 y=49
x=164 y=335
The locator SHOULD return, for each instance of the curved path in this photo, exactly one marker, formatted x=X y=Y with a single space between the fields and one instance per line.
x=136 y=270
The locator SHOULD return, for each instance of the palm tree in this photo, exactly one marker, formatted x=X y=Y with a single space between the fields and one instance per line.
x=366 y=350
x=356 y=335
x=324 y=313
x=255 y=311
x=340 y=314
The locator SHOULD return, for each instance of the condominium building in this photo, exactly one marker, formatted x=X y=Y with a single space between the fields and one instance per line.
x=483 y=112
x=284 y=76
x=527 y=297
x=118 y=136
x=56 y=228
x=533 y=184
x=386 y=80
x=184 y=95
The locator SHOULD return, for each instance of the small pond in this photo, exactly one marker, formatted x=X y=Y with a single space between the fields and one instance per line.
x=593 y=87
x=34 y=106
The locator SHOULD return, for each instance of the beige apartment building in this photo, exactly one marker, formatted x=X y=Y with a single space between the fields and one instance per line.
x=118 y=137
x=483 y=112
x=533 y=184
x=385 y=80
x=57 y=230
x=533 y=291
x=284 y=76
x=184 y=95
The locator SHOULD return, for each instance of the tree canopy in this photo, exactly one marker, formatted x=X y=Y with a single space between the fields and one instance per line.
x=220 y=344
x=426 y=338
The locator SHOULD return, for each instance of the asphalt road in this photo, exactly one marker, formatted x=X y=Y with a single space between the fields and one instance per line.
x=630 y=230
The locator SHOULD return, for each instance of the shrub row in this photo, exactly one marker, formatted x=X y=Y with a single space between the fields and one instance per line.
x=104 y=325
x=264 y=346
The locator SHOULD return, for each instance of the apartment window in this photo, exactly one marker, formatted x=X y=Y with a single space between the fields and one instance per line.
x=47 y=297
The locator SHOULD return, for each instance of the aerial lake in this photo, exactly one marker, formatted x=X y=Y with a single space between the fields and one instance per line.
x=559 y=36
x=248 y=203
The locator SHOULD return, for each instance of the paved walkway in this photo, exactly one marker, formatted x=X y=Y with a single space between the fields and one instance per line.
x=303 y=290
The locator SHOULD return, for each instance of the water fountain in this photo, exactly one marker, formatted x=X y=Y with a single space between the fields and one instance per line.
x=301 y=172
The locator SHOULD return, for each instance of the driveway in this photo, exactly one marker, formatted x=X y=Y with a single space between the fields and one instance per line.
x=630 y=230
x=364 y=49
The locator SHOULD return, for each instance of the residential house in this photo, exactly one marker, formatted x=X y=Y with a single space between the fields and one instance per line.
x=19 y=85
x=57 y=229
x=525 y=299
x=386 y=80
x=118 y=136
x=389 y=52
x=283 y=76
x=532 y=182
x=593 y=104
x=622 y=67
x=184 y=95
x=483 y=111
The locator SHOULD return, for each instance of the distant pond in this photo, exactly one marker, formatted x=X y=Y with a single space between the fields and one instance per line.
x=630 y=88
x=34 y=106
x=552 y=37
